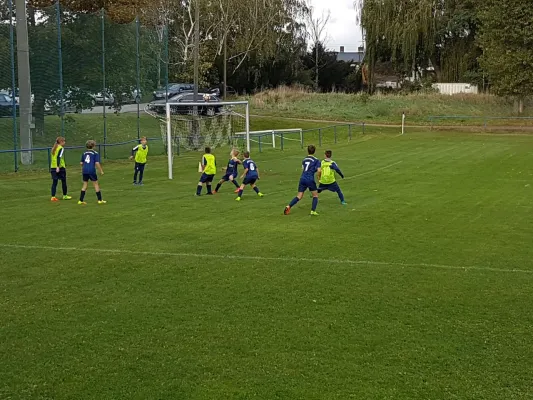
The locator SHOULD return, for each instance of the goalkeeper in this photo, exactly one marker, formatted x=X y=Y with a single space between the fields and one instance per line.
x=327 y=178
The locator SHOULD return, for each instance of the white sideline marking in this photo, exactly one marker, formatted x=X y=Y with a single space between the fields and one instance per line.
x=259 y=258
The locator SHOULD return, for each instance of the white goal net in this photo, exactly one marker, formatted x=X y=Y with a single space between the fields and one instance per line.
x=194 y=126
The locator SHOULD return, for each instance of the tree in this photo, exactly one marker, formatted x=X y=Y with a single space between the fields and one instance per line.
x=507 y=44
x=316 y=28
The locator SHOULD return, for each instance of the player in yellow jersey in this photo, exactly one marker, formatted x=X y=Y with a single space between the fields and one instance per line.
x=140 y=154
x=209 y=169
x=58 y=169
x=327 y=179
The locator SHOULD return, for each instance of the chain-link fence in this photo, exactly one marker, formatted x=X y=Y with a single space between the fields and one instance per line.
x=90 y=79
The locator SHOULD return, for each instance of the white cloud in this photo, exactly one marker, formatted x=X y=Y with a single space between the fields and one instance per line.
x=342 y=29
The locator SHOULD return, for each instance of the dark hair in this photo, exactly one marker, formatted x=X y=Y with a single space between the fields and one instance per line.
x=328 y=153
x=208 y=150
x=91 y=144
x=246 y=154
x=311 y=149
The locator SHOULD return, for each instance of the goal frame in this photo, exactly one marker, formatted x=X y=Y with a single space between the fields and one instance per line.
x=168 y=106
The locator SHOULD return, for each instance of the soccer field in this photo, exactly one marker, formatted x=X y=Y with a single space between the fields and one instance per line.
x=420 y=288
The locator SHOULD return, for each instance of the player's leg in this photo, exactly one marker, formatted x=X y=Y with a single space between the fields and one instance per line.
x=201 y=183
x=208 y=184
x=234 y=181
x=53 y=189
x=314 y=191
x=220 y=183
x=64 y=187
x=136 y=173
x=301 y=190
x=256 y=189
x=241 y=189
x=141 y=173
x=336 y=188
x=83 y=190
x=96 y=186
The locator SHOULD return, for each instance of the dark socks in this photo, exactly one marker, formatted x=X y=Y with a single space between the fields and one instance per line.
x=256 y=189
x=240 y=192
x=82 y=195
x=315 y=204
x=54 y=187
x=293 y=202
x=236 y=183
x=218 y=187
x=198 y=190
x=135 y=175
x=341 y=195
x=99 y=196
x=141 y=174
x=209 y=190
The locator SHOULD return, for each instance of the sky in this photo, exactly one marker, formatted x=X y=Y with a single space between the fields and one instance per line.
x=342 y=29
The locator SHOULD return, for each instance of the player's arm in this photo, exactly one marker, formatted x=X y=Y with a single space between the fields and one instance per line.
x=244 y=173
x=204 y=164
x=336 y=168
x=134 y=151
x=59 y=155
x=97 y=163
x=319 y=172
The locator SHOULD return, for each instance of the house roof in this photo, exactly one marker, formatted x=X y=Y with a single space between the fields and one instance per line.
x=351 y=56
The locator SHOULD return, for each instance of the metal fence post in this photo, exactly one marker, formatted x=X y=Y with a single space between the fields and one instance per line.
x=104 y=82
x=320 y=137
x=260 y=148
x=138 y=94
x=49 y=157
x=349 y=131
x=13 y=83
x=60 y=65
x=363 y=128
x=335 y=133
x=282 y=141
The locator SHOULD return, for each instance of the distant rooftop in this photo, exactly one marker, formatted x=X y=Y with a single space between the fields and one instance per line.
x=351 y=56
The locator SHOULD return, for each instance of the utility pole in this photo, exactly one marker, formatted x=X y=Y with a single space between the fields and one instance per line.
x=196 y=121
x=24 y=82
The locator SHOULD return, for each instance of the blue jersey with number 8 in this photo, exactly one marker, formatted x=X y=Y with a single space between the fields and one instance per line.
x=310 y=167
x=89 y=160
x=251 y=167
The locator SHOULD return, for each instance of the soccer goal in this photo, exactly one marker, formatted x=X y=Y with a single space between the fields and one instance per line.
x=275 y=138
x=192 y=126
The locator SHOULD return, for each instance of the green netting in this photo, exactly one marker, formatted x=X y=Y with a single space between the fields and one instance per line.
x=88 y=74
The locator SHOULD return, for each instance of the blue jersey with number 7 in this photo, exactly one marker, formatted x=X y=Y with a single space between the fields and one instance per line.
x=310 y=166
x=89 y=160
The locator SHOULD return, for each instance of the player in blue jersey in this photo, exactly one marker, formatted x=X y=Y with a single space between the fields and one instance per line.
x=232 y=172
x=310 y=166
x=90 y=160
x=250 y=176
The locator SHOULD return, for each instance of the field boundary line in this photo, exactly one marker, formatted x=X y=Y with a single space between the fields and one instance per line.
x=260 y=258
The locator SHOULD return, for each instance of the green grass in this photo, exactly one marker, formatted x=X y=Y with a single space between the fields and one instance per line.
x=419 y=289
x=388 y=109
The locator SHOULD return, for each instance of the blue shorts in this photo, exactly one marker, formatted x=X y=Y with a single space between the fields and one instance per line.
x=250 y=180
x=139 y=166
x=90 y=177
x=227 y=177
x=307 y=185
x=206 y=178
x=332 y=187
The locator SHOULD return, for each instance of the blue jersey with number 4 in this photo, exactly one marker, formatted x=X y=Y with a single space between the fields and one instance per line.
x=89 y=160
x=310 y=166
x=251 y=167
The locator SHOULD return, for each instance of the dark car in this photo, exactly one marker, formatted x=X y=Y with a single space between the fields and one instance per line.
x=210 y=108
x=6 y=106
x=173 y=90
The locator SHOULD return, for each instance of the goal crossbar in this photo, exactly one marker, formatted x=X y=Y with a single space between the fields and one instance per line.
x=273 y=132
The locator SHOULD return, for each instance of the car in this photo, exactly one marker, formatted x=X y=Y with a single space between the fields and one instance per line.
x=173 y=89
x=210 y=107
x=230 y=91
x=99 y=99
x=6 y=105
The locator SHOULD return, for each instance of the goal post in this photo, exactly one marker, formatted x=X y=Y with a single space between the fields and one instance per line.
x=193 y=125
x=274 y=135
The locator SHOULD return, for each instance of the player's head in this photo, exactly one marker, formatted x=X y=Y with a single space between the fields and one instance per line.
x=328 y=153
x=144 y=140
x=91 y=144
x=60 y=141
x=235 y=153
x=246 y=154
x=311 y=149
x=208 y=150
